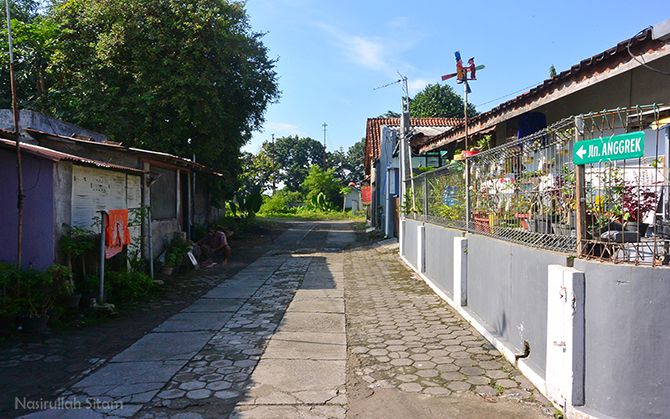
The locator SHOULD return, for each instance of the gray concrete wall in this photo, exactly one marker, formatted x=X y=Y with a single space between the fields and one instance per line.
x=439 y=257
x=162 y=233
x=627 y=359
x=62 y=200
x=411 y=243
x=507 y=290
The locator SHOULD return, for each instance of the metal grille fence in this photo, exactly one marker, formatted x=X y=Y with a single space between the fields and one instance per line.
x=526 y=191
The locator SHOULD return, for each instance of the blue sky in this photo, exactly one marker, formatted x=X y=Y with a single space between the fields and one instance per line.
x=332 y=54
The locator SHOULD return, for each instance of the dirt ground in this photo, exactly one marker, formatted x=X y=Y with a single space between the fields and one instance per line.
x=38 y=366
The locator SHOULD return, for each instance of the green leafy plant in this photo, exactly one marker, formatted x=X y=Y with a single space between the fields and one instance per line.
x=125 y=287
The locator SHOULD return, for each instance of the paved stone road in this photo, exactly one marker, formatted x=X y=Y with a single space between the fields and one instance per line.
x=402 y=336
x=280 y=339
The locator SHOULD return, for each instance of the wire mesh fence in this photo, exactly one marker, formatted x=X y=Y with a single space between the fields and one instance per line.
x=523 y=191
x=526 y=191
x=625 y=200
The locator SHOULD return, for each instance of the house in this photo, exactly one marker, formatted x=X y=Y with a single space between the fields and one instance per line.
x=59 y=189
x=572 y=310
x=352 y=200
x=173 y=188
x=382 y=162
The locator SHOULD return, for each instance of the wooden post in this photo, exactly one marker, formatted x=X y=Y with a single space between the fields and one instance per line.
x=101 y=293
x=580 y=193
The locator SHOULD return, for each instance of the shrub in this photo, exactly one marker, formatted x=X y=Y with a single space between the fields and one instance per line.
x=282 y=202
x=125 y=287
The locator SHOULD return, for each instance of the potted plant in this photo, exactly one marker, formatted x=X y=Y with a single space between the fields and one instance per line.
x=636 y=204
x=171 y=260
x=76 y=243
x=39 y=292
x=482 y=144
x=62 y=279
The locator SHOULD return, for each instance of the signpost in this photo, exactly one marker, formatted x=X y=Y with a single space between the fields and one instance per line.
x=617 y=147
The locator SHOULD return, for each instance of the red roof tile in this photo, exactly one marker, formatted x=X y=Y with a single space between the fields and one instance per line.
x=373 y=133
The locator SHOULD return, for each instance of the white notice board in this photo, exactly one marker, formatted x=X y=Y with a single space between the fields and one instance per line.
x=96 y=189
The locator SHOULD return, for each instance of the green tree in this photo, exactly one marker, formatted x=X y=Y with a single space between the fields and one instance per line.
x=321 y=181
x=292 y=158
x=181 y=76
x=389 y=114
x=355 y=160
x=438 y=101
x=35 y=37
x=348 y=167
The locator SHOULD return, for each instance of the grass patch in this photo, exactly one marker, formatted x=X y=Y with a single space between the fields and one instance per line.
x=313 y=215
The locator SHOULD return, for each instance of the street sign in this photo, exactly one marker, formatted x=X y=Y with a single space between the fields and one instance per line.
x=617 y=147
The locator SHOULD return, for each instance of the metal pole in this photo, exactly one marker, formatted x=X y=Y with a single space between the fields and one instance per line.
x=580 y=193
x=467 y=162
x=325 y=164
x=274 y=167
x=101 y=293
x=17 y=134
x=151 y=247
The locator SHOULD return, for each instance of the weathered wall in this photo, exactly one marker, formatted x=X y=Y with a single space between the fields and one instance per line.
x=411 y=241
x=439 y=257
x=38 y=249
x=62 y=199
x=627 y=359
x=507 y=290
x=162 y=232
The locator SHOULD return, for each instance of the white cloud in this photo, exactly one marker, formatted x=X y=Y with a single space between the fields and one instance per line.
x=366 y=52
x=416 y=85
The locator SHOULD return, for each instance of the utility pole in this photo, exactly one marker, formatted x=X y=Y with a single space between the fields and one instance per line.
x=17 y=136
x=325 y=163
x=274 y=166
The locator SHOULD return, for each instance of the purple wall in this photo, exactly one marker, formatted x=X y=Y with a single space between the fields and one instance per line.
x=38 y=211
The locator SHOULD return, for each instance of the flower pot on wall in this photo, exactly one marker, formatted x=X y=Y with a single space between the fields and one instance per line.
x=469 y=153
x=641 y=228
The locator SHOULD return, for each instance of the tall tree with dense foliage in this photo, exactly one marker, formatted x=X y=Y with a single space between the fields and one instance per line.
x=348 y=166
x=292 y=158
x=181 y=76
x=438 y=101
x=35 y=38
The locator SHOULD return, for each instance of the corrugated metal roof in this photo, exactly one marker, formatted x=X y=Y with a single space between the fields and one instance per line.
x=53 y=155
x=373 y=132
x=166 y=157
x=599 y=63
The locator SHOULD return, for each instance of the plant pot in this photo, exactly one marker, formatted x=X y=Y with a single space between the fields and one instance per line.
x=561 y=229
x=640 y=228
x=167 y=270
x=469 y=153
x=543 y=224
x=523 y=219
x=73 y=301
x=35 y=324
x=481 y=223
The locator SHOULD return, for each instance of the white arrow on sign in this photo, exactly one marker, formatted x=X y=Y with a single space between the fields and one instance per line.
x=581 y=152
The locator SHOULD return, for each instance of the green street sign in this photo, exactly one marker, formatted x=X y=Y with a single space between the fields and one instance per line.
x=617 y=147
